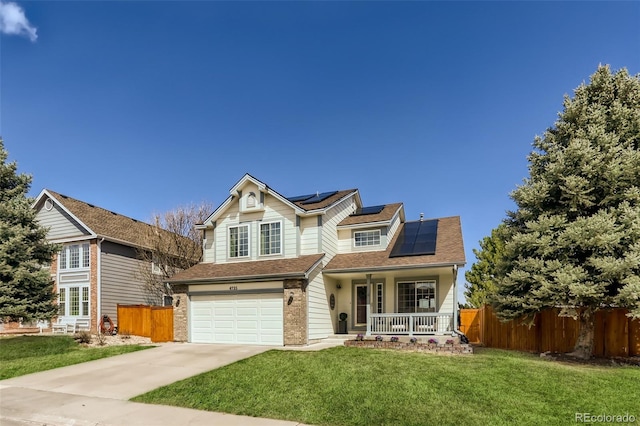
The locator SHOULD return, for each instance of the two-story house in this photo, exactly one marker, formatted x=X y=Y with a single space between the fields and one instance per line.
x=99 y=265
x=281 y=270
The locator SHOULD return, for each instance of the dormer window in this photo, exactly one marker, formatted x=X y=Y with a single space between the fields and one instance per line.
x=367 y=238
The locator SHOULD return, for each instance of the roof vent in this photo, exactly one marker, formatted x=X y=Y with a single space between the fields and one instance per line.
x=421 y=216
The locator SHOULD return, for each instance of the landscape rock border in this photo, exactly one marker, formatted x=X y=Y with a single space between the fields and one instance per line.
x=454 y=349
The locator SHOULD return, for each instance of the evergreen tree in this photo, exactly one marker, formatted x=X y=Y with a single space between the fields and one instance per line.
x=26 y=289
x=574 y=240
x=483 y=274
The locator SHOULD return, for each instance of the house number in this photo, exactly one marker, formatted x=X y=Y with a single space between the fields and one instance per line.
x=233 y=288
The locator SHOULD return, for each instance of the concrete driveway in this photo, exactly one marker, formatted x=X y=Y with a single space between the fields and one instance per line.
x=96 y=392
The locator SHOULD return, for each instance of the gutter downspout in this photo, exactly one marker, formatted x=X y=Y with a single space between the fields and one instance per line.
x=99 y=284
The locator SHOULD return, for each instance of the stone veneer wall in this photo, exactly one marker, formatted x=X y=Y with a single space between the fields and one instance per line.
x=295 y=313
x=180 y=320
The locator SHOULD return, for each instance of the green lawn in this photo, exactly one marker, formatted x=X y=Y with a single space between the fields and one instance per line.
x=355 y=386
x=30 y=354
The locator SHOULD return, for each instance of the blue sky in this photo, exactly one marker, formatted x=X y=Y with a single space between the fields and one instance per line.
x=139 y=107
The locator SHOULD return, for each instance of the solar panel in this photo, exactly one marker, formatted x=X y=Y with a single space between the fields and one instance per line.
x=319 y=197
x=300 y=198
x=416 y=238
x=368 y=210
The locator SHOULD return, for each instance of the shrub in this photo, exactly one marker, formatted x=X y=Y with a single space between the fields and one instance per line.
x=394 y=338
x=82 y=337
x=433 y=342
x=450 y=342
x=102 y=339
x=414 y=340
x=360 y=337
x=378 y=338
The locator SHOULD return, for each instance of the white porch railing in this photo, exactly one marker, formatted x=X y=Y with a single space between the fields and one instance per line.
x=415 y=323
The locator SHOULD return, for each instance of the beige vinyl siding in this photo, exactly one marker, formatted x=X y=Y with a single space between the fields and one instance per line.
x=309 y=235
x=60 y=224
x=445 y=293
x=209 y=249
x=345 y=241
x=274 y=210
x=319 y=316
x=120 y=284
x=393 y=228
x=329 y=226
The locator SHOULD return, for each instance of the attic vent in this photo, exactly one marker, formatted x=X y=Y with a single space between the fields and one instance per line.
x=48 y=204
x=251 y=200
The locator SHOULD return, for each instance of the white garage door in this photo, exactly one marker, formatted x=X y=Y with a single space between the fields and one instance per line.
x=254 y=319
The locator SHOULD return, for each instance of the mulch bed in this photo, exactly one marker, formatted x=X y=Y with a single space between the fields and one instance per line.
x=596 y=361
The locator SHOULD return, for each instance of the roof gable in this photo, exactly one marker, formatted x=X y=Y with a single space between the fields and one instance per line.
x=449 y=250
x=311 y=204
x=101 y=222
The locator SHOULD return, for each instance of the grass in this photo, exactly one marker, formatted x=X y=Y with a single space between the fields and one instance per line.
x=30 y=354
x=355 y=386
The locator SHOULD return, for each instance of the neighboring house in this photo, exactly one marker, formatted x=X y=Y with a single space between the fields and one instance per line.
x=98 y=266
x=280 y=270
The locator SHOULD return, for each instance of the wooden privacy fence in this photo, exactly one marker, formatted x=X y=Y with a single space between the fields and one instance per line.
x=615 y=334
x=155 y=322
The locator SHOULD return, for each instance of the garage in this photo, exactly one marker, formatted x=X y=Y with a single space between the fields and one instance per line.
x=253 y=319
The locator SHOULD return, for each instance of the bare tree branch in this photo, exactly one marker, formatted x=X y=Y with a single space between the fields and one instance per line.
x=172 y=244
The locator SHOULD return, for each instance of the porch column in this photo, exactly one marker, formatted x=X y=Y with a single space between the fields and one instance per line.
x=455 y=297
x=369 y=293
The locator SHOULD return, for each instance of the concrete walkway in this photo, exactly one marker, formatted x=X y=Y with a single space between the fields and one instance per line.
x=97 y=392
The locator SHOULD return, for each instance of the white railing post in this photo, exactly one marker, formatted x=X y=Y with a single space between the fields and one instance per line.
x=368 y=319
x=411 y=321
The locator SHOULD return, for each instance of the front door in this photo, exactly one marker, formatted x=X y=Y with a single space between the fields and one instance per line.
x=361 y=305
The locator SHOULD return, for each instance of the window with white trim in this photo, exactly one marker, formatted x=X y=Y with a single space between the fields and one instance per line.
x=379 y=298
x=239 y=241
x=74 y=256
x=417 y=296
x=73 y=300
x=366 y=238
x=270 y=238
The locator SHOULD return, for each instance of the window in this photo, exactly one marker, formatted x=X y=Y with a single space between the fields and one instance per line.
x=379 y=302
x=85 y=301
x=239 y=241
x=73 y=300
x=74 y=256
x=270 y=237
x=419 y=296
x=62 y=301
x=367 y=238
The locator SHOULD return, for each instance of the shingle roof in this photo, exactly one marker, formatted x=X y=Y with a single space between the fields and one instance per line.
x=449 y=250
x=326 y=202
x=106 y=223
x=386 y=214
x=212 y=272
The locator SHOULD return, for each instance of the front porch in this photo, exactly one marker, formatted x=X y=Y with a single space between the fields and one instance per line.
x=410 y=323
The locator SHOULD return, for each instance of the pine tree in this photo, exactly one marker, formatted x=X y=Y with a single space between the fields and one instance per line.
x=26 y=289
x=574 y=241
x=483 y=274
